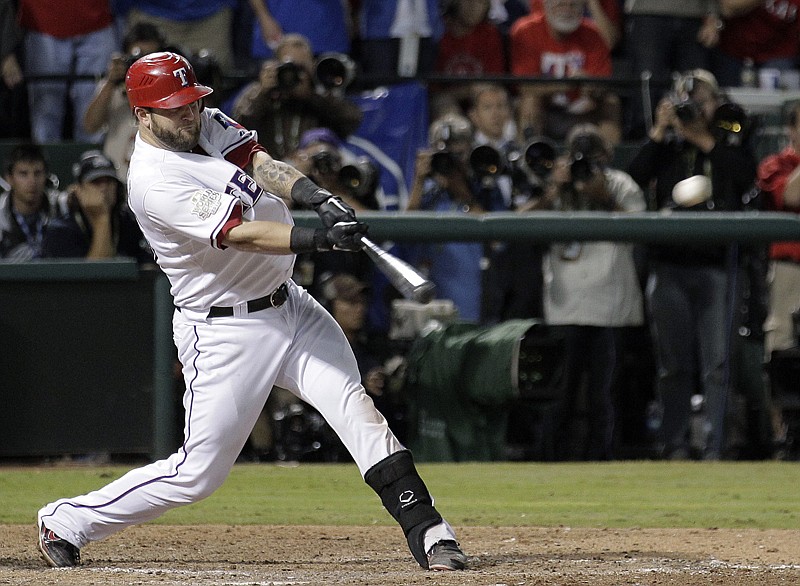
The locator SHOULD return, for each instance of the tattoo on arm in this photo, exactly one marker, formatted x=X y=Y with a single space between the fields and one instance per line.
x=276 y=177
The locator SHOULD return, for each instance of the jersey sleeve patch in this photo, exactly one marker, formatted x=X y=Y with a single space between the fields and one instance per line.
x=225 y=121
x=205 y=203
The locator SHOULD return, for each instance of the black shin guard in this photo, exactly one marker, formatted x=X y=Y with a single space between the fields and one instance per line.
x=406 y=497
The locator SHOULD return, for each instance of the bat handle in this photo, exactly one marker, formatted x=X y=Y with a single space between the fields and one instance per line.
x=368 y=246
x=367 y=243
x=363 y=241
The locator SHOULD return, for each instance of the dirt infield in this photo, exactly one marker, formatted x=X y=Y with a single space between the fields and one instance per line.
x=509 y=556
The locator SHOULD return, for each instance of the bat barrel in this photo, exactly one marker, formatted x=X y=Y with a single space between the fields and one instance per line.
x=424 y=292
x=405 y=278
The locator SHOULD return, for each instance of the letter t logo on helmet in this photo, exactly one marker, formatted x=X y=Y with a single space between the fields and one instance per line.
x=181 y=73
x=163 y=80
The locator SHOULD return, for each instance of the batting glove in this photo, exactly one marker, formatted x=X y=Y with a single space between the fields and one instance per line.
x=346 y=236
x=334 y=211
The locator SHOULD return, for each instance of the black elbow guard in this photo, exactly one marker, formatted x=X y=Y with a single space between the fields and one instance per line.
x=406 y=497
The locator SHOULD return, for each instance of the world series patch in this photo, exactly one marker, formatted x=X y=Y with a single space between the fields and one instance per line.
x=205 y=203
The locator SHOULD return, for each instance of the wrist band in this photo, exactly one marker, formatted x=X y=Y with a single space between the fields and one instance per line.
x=307 y=193
x=308 y=240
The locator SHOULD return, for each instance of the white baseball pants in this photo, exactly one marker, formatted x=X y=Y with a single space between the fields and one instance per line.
x=230 y=365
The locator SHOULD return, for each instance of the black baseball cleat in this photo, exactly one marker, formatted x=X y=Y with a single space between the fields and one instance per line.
x=446 y=555
x=58 y=552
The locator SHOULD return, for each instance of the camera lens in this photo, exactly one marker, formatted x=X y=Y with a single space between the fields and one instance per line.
x=331 y=72
x=443 y=162
x=486 y=161
x=540 y=158
x=686 y=111
x=359 y=177
x=288 y=75
x=581 y=168
x=326 y=162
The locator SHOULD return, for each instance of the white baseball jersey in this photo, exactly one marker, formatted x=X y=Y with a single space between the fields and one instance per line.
x=183 y=200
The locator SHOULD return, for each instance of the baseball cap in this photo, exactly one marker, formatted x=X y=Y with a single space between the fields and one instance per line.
x=94 y=165
x=346 y=287
x=586 y=139
x=320 y=134
x=450 y=127
x=687 y=82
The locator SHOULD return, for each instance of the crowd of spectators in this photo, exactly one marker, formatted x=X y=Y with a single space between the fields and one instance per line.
x=52 y=55
x=291 y=69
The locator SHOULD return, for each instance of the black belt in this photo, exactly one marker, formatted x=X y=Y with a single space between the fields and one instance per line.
x=275 y=299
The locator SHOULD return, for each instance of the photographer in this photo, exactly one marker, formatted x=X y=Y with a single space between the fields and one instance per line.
x=283 y=103
x=591 y=290
x=97 y=223
x=444 y=182
x=512 y=282
x=320 y=155
x=698 y=159
x=109 y=110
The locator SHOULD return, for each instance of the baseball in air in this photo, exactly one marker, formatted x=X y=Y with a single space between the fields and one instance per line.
x=692 y=191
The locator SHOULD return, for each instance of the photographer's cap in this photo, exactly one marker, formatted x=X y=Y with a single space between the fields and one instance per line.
x=346 y=287
x=94 y=165
x=686 y=82
x=587 y=139
x=449 y=128
x=320 y=134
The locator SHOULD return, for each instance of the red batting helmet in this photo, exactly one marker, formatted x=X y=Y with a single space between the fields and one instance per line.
x=163 y=80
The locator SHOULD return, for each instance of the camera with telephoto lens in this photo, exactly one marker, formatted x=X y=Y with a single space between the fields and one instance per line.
x=684 y=86
x=582 y=167
x=326 y=162
x=486 y=161
x=300 y=433
x=686 y=109
x=129 y=59
x=540 y=157
x=586 y=151
x=288 y=75
x=443 y=162
x=132 y=57
x=360 y=178
x=334 y=70
x=447 y=132
x=731 y=125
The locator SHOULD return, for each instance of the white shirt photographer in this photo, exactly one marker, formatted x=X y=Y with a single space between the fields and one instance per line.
x=595 y=283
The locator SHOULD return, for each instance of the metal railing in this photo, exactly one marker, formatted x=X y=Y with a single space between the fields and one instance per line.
x=645 y=227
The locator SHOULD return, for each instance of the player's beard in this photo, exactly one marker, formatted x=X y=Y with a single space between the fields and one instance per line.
x=180 y=139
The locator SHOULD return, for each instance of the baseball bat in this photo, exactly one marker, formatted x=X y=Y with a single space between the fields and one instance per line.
x=405 y=278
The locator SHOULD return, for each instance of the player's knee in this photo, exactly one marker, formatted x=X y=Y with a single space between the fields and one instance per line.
x=193 y=490
x=204 y=489
x=196 y=483
x=407 y=499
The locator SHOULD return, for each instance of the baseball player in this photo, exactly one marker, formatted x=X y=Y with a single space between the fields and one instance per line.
x=209 y=200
